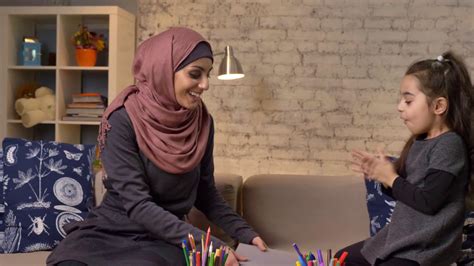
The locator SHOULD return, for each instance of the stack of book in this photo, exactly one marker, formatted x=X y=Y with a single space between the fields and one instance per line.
x=86 y=107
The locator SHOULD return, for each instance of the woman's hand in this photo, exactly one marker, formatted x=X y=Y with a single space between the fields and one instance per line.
x=378 y=167
x=233 y=258
x=258 y=241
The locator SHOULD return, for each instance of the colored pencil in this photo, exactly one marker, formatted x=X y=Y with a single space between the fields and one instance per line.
x=343 y=257
x=183 y=244
x=300 y=256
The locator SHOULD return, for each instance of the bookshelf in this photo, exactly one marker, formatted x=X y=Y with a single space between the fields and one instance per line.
x=54 y=26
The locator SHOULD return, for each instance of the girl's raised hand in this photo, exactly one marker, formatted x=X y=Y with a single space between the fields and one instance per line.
x=360 y=161
x=374 y=167
x=382 y=170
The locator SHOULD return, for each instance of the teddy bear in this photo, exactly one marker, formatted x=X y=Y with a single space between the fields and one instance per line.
x=36 y=110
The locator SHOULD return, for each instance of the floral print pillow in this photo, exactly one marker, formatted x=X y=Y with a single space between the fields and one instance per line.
x=2 y=206
x=379 y=205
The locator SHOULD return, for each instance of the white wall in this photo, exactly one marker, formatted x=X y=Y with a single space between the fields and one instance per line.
x=322 y=76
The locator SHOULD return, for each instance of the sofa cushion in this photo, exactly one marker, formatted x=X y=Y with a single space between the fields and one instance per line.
x=379 y=206
x=317 y=212
x=49 y=185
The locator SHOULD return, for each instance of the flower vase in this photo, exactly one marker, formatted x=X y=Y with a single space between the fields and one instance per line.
x=86 y=57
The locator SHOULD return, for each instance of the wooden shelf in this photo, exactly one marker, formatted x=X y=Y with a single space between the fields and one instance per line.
x=32 y=67
x=54 y=27
x=18 y=121
x=91 y=123
x=96 y=68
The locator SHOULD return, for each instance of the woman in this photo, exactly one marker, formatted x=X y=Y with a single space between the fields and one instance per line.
x=156 y=140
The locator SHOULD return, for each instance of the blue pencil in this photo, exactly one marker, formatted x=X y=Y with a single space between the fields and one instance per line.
x=300 y=256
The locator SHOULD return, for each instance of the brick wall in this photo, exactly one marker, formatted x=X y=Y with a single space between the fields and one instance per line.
x=322 y=76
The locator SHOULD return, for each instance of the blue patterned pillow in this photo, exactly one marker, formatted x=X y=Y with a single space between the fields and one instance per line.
x=2 y=207
x=379 y=205
x=49 y=184
x=467 y=249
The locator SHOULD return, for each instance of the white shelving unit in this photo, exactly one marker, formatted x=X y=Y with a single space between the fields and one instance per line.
x=54 y=27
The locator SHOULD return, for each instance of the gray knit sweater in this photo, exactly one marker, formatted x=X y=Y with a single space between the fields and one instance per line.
x=428 y=239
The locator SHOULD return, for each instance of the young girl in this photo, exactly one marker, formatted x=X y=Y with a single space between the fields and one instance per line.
x=429 y=180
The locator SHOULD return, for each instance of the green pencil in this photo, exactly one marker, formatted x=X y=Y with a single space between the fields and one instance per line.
x=225 y=258
x=185 y=255
x=211 y=259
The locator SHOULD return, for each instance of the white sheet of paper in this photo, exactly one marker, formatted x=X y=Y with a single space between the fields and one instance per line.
x=270 y=257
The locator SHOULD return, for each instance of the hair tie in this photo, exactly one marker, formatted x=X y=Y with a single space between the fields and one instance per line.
x=440 y=58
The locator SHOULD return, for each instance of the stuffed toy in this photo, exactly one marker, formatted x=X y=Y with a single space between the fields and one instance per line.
x=36 y=110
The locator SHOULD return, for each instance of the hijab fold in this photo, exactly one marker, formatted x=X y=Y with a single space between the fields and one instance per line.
x=172 y=137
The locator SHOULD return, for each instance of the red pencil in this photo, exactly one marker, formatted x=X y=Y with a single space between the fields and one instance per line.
x=208 y=236
x=343 y=257
x=198 y=258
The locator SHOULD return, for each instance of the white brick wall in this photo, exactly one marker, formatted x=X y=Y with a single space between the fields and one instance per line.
x=322 y=77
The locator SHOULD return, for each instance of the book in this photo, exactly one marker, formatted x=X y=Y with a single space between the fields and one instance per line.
x=82 y=118
x=86 y=105
x=85 y=111
x=86 y=115
x=89 y=98
x=86 y=94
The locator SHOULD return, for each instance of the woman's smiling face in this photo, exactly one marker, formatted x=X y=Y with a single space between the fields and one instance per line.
x=191 y=81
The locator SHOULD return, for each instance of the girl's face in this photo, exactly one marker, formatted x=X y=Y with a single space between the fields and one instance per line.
x=191 y=81
x=414 y=110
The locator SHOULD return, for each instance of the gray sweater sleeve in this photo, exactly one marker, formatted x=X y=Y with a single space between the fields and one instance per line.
x=212 y=204
x=126 y=175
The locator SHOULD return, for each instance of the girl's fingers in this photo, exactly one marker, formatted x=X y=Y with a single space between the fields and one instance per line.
x=355 y=163
x=358 y=170
x=358 y=155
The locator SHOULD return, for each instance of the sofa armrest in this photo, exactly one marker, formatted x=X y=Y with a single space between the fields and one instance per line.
x=230 y=186
x=24 y=259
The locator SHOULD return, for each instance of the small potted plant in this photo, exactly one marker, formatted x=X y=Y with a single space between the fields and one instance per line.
x=87 y=45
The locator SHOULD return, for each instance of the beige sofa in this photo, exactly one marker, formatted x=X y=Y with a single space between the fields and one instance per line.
x=317 y=212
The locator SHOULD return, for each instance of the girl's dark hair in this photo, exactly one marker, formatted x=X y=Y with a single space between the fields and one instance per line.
x=447 y=77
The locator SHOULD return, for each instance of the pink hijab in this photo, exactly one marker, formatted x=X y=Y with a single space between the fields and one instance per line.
x=172 y=137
